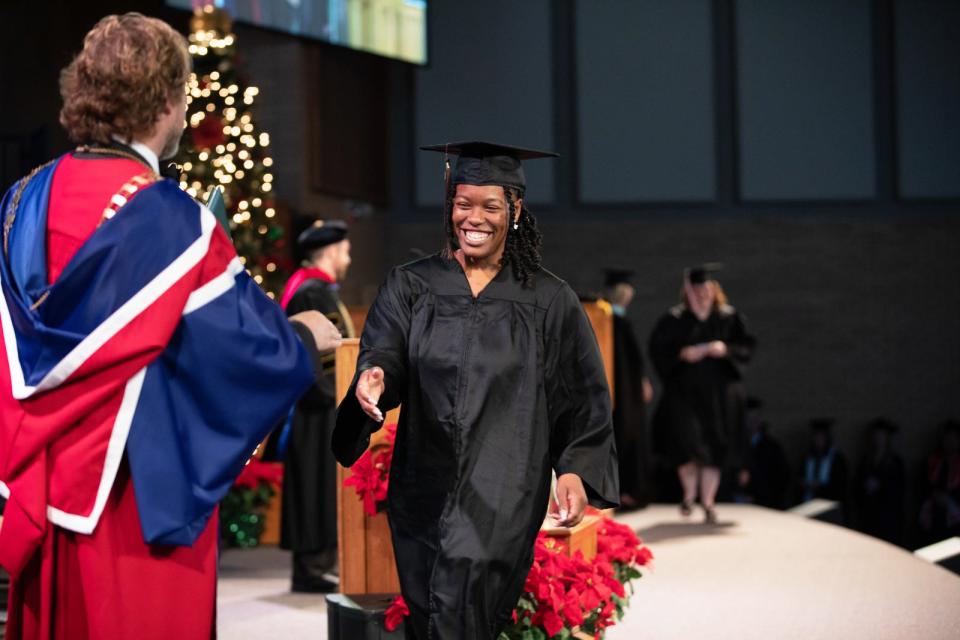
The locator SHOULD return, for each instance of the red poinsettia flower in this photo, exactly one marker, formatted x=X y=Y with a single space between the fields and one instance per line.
x=572 y=609
x=644 y=556
x=370 y=474
x=618 y=543
x=552 y=623
x=257 y=471
x=395 y=613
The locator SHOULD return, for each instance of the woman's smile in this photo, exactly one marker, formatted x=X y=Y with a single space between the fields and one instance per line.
x=475 y=237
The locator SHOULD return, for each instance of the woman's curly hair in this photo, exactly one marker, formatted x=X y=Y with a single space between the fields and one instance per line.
x=130 y=68
x=522 y=250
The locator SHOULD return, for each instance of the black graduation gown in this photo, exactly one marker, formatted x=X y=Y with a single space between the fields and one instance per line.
x=309 y=504
x=769 y=471
x=629 y=411
x=880 y=487
x=835 y=488
x=496 y=390
x=700 y=416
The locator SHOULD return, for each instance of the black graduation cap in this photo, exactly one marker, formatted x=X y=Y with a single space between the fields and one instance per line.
x=821 y=424
x=321 y=233
x=882 y=424
x=488 y=163
x=615 y=275
x=701 y=273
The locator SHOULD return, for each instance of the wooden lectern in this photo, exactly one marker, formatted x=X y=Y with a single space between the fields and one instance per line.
x=367 y=563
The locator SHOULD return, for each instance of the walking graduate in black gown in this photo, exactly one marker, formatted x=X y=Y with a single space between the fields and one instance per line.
x=500 y=380
x=698 y=348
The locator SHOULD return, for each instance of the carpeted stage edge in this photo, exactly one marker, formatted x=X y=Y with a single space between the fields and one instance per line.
x=758 y=574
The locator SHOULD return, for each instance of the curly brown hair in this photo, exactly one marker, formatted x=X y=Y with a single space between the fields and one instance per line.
x=130 y=68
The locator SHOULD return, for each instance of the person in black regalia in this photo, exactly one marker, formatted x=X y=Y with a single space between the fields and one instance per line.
x=698 y=349
x=880 y=484
x=632 y=393
x=940 y=487
x=765 y=475
x=309 y=506
x=825 y=472
x=500 y=380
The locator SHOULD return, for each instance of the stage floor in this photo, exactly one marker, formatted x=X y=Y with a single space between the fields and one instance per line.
x=758 y=574
x=761 y=574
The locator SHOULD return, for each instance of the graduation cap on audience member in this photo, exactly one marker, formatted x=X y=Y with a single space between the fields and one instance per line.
x=486 y=163
x=701 y=273
x=882 y=424
x=612 y=276
x=321 y=233
x=823 y=425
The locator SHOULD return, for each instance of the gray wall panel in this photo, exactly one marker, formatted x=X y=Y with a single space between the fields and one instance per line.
x=928 y=97
x=489 y=78
x=645 y=100
x=806 y=99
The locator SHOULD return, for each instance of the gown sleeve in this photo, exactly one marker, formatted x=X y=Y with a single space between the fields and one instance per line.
x=740 y=343
x=383 y=344
x=578 y=401
x=317 y=357
x=664 y=347
x=231 y=370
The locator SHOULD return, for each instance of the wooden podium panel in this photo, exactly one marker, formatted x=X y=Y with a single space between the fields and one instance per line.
x=601 y=317
x=358 y=315
x=271 y=515
x=367 y=563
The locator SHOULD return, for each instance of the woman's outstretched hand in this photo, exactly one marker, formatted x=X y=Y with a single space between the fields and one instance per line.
x=370 y=386
x=571 y=501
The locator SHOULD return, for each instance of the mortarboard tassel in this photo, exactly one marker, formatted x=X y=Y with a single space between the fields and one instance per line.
x=446 y=194
x=446 y=175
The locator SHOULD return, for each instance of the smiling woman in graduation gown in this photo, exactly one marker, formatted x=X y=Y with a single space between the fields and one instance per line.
x=498 y=387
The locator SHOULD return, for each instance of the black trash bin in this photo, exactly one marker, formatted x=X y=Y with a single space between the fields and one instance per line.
x=360 y=617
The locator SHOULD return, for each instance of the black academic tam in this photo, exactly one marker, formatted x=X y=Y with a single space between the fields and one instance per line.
x=496 y=390
x=489 y=163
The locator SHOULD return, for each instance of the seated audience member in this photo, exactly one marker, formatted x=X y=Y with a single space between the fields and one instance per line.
x=824 y=471
x=940 y=509
x=766 y=473
x=879 y=485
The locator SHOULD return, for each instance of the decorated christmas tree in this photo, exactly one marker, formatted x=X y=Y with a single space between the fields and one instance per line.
x=223 y=147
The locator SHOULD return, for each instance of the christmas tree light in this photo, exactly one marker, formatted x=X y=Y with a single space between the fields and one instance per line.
x=223 y=147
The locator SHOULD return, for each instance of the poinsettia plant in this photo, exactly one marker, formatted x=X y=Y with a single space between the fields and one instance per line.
x=370 y=474
x=241 y=511
x=566 y=595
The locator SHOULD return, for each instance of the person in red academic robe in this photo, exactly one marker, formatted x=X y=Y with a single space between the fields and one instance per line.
x=132 y=357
